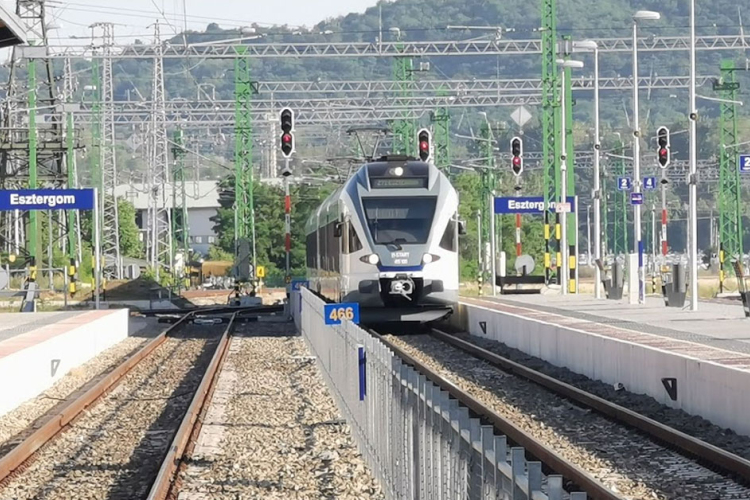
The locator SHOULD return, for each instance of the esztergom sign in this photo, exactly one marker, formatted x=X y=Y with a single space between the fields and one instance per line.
x=47 y=199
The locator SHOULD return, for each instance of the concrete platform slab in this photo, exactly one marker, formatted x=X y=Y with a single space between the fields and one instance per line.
x=36 y=349
x=642 y=347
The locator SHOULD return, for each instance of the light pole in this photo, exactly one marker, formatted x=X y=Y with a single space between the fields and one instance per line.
x=565 y=63
x=591 y=46
x=641 y=15
x=693 y=224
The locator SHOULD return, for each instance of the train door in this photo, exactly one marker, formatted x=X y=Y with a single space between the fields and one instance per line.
x=346 y=261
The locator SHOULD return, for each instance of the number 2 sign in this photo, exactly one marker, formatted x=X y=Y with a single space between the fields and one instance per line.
x=744 y=164
x=335 y=313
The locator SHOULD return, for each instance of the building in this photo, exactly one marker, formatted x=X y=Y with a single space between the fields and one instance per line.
x=202 y=203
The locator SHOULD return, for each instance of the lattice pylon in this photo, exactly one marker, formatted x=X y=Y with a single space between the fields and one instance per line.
x=159 y=227
x=38 y=162
x=112 y=267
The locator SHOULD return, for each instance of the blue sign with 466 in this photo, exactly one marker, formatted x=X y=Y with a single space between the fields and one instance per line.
x=334 y=314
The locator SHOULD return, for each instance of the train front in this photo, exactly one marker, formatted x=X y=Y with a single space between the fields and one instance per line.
x=408 y=264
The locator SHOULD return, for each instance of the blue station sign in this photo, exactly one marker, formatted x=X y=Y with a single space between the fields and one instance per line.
x=527 y=205
x=334 y=314
x=47 y=199
x=649 y=183
x=636 y=198
x=297 y=285
x=624 y=183
x=744 y=164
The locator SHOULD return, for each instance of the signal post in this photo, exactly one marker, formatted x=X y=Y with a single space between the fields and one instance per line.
x=287 y=150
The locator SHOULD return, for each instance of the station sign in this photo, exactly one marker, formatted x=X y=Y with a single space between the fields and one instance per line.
x=47 y=199
x=528 y=205
x=334 y=314
x=636 y=198
x=744 y=164
x=649 y=183
x=298 y=284
x=624 y=183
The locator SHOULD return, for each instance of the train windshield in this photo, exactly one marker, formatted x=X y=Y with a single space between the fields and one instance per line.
x=398 y=221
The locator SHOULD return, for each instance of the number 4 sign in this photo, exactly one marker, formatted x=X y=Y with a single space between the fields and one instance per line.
x=744 y=164
x=335 y=313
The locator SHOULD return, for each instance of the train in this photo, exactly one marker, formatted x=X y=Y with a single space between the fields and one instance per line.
x=388 y=239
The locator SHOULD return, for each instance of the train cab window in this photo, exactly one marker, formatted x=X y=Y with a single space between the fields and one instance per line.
x=355 y=244
x=448 y=241
x=400 y=220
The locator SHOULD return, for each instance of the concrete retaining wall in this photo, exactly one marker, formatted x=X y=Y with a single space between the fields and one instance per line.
x=713 y=391
x=26 y=373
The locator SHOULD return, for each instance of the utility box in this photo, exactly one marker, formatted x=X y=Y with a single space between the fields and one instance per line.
x=613 y=279
x=674 y=286
x=633 y=285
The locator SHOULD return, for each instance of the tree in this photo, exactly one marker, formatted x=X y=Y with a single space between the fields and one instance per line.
x=130 y=243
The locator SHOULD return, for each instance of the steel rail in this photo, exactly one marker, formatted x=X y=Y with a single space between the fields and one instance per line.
x=59 y=421
x=541 y=451
x=170 y=465
x=685 y=443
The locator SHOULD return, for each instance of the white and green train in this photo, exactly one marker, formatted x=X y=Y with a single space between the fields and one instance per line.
x=388 y=240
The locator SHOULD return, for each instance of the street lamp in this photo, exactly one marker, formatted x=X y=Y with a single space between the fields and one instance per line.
x=641 y=15
x=565 y=63
x=591 y=46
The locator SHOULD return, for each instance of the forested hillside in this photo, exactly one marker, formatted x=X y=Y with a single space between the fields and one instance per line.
x=429 y=20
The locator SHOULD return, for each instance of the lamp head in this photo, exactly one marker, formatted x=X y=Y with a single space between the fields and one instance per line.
x=646 y=15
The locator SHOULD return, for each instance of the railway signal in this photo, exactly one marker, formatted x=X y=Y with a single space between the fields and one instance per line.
x=516 y=149
x=663 y=153
x=287 y=132
x=424 y=138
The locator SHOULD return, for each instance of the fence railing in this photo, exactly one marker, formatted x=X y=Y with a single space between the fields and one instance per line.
x=418 y=442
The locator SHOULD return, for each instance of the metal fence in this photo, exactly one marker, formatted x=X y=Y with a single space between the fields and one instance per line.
x=418 y=443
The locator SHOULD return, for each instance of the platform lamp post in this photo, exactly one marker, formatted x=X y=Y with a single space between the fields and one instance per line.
x=693 y=159
x=641 y=15
x=591 y=46
x=565 y=63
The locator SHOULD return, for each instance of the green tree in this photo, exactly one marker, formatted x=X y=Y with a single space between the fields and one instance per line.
x=130 y=243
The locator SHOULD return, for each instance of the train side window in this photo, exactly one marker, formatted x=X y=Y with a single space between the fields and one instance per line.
x=448 y=241
x=323 y=248
x=355 y=244
x=312 y=251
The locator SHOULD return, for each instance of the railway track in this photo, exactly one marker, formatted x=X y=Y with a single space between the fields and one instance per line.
x=600 y=448
x=125 y=436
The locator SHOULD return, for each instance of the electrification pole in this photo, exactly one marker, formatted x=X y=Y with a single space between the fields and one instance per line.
x=441 y=123
x=551 y=126
x=243 y=156
x=489 y=182
x=33 y=221
x=180 y=220
x=729 y=194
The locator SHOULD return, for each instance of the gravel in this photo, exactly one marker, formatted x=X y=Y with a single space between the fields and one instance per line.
x=114 y=449
x=692 y=425
x=273 y=431
x=19 y=423
x=625 y=461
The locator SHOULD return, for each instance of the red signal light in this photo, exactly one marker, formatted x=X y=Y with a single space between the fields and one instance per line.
x=424 y=145
x=286 y=138
x=516 y=161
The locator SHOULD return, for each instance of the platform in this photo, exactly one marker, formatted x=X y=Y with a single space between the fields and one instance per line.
x=37 y=349
x=695 y=361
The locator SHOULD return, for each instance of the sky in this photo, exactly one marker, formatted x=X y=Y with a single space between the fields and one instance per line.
x=132 y=17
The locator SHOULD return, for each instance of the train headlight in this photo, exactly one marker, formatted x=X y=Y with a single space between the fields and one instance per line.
x=429 y=258
x=373 y=259
x=398 y=171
